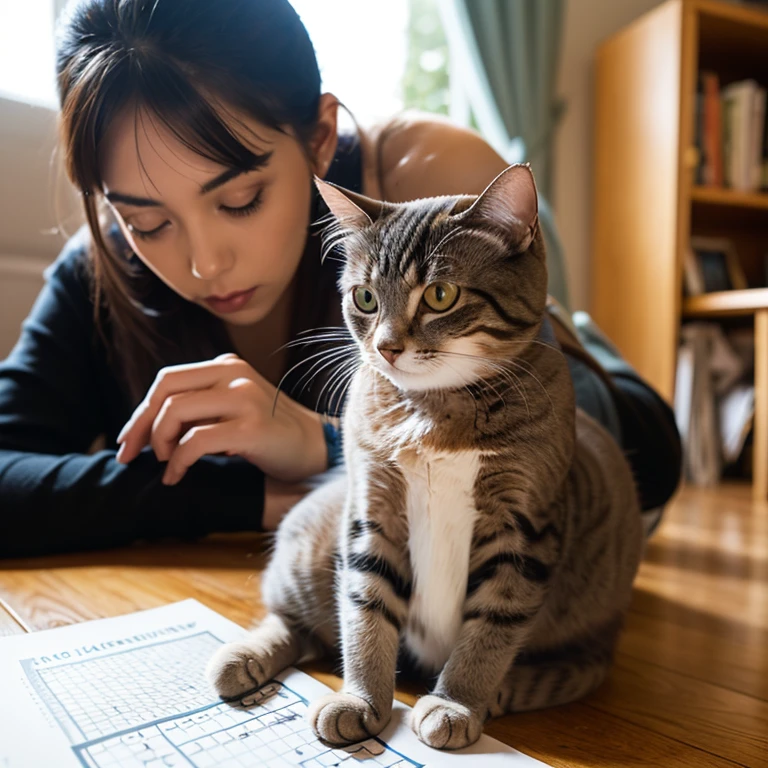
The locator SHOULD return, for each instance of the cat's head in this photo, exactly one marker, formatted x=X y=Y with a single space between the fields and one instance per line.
x=439 y=292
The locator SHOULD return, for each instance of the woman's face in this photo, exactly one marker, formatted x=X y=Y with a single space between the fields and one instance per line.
x=228 y=241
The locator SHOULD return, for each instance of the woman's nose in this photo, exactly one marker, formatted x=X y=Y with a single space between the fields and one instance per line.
x=208 y=260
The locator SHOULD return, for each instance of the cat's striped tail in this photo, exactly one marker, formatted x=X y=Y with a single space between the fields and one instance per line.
x=538 y=681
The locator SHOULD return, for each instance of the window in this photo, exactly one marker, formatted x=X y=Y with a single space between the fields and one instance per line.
x=426 y=81
x=361 y=50
x=379 y=56
x=27 y=70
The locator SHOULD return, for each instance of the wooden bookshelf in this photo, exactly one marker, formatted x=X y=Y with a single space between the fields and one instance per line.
x=646 y=204
x=730 y=198
x=725 y=304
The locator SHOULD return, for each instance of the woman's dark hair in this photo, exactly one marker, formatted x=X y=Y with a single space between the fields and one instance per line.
x=189 y=63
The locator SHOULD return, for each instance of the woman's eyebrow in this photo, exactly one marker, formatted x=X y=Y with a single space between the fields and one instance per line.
x=258 y=162
x=231 y=173
x=140 y=202
x=222 y=178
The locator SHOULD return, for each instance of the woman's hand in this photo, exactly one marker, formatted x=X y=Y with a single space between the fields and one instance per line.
x=224 y=406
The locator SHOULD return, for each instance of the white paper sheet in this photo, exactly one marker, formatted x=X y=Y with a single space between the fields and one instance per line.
x=130 y=692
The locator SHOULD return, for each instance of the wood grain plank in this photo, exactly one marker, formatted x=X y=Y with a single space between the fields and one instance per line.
x=221 y=573
x=578 y=736
x=739 y=664
x=760 y=439
x=705 y=716
x=8 y=625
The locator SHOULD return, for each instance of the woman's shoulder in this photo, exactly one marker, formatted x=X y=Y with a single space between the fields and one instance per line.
x=416 y=154
x=73 y=262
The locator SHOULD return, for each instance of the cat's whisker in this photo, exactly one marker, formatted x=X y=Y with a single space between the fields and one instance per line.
x=510 y=377
x=340 y=399
x=326 y=220
x=326 y=332
x=498 y=394
x=343 y=375
x=324 y=328
x=466 y=387
x=304 y=361
x=320 y=339
x=499 y=367
x=543 y=344
x=334 y=356
x=339 y=375
x=343 y=367
x=332 y=237
x=446 y=238
x=518 y=364
x=392 y=408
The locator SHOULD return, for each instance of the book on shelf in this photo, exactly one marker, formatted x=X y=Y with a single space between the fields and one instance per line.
x=731 y=133
x=712 y=130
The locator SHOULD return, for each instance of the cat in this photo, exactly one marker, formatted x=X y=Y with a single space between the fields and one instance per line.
x=486 y=531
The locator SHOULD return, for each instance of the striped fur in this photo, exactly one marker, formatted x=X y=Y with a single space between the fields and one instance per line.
x=486 y=531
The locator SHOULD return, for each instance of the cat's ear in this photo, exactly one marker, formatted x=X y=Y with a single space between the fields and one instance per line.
x=348 y=207
x=509 y=205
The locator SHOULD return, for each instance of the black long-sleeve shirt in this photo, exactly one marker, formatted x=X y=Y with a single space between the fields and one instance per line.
x=57 y=395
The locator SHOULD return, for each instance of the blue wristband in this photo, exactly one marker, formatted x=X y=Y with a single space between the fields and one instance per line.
x=333 y=444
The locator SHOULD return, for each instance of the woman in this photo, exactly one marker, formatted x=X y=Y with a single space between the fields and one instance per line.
x=193 y=130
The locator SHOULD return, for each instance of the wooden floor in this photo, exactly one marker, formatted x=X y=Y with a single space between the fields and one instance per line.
x=690 y=685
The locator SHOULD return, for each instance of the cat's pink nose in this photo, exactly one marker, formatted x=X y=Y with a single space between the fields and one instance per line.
x=390 y=355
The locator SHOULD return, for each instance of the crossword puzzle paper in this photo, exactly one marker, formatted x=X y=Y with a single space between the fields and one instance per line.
x=130 y=692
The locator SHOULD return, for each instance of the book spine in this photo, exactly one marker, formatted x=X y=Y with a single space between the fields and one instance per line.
x=728 y=149
x=712 y=138
x=756 y=145
x=764 y=155
x=703 y=161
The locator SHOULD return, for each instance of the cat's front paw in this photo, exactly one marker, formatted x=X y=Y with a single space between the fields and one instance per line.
x=235 y=670
x=342 y=718
x=445 y=724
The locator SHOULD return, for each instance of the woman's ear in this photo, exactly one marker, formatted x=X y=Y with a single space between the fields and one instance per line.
x=325 y=138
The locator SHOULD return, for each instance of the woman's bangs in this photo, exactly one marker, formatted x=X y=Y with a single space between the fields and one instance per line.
x=165 y=97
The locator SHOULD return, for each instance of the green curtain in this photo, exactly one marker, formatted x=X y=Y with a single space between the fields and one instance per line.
x=507 y=54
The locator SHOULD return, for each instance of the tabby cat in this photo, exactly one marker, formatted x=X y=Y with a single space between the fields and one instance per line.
x=486 y=531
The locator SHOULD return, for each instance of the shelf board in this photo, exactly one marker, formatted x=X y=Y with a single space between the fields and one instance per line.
x=724 y=196
x=743 y=15
x=726 y=303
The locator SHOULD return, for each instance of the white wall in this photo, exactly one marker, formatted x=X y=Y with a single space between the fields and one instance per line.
x=587 y=23
x=35 y=199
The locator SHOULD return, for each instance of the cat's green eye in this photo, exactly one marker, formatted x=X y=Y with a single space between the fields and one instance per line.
x=440 y=297
x=365 y=299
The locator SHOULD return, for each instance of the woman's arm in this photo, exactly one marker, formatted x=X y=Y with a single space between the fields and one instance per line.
x=56 y=396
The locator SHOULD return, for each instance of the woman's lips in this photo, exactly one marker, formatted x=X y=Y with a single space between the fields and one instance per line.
x=233 y=302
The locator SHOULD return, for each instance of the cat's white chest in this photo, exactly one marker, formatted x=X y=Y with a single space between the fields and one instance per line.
x=441 y=516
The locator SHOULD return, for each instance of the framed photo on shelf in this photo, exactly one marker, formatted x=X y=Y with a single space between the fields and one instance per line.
x=712 y=264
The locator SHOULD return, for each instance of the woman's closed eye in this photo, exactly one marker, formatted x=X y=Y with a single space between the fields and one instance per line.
x=247 y=209
x=250 y=207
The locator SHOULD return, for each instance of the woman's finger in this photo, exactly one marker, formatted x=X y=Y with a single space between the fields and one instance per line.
x=190 y=408
x=173 y=380
x=228 y=437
